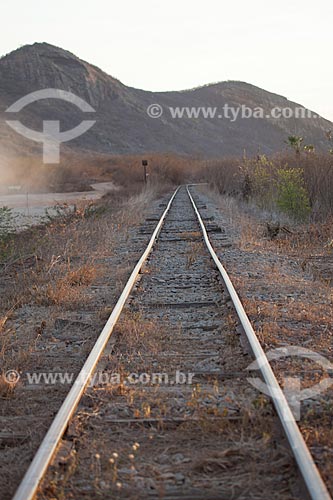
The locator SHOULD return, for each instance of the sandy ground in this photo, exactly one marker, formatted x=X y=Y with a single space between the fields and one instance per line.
x=30 y=208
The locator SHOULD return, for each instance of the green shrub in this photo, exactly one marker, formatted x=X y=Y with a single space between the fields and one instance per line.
x=6 y=231
x=292 y=196
x=6 y=222
x=263 y=183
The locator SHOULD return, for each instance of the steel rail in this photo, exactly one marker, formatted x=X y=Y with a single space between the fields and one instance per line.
x=310 y=473
x=29 y=485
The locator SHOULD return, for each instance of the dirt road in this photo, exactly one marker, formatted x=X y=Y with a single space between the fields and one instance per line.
x=29 y=208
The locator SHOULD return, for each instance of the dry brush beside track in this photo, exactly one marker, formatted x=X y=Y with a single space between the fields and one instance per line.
x=215 y=437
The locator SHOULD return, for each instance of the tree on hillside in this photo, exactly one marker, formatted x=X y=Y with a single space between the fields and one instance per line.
x=309 y=148
x=329 y=135
x=295 y=142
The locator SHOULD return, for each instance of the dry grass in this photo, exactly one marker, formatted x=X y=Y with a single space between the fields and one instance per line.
x=136 y=336
x=49 y=270
x=193 y=252
x=130 y=462
x=285 y=306
x=62 y=255
x=67 y=290
x=300 y=240
x=7 y=387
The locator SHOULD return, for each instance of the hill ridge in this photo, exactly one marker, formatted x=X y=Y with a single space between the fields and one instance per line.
x=122 y=122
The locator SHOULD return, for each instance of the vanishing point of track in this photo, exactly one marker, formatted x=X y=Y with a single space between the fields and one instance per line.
x=192 y=299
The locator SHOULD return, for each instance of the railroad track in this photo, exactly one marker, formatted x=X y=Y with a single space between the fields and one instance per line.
x=192 y=426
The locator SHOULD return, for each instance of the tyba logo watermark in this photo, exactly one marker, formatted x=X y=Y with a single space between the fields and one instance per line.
x=51 y=137
x=292 y=385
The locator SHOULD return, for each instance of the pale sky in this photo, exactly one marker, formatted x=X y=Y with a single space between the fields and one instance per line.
x=284 y=46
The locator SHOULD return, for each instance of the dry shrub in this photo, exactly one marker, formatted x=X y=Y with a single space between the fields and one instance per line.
x=77 y=171
x=3 y=321
x=138 y=333
x=226 y=175
x=166 y=169
x=58 y=294
x=84 y=275
x=66 y=290
x=7 y=388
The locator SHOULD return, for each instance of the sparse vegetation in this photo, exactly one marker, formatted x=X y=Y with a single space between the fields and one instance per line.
x=52 y=266
x=77 y=172
x=298 y=188
x=6 y=222
x=292 y=197
x=295 y=142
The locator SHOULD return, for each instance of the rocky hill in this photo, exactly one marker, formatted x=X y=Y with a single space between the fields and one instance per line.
x=122 y=123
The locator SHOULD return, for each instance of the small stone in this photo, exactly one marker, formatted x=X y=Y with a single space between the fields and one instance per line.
x=178 y=458
x=180 y=478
